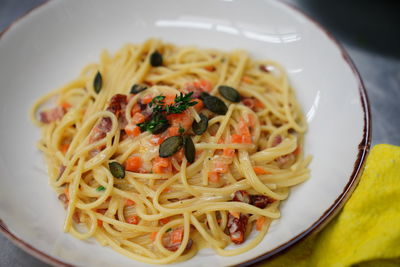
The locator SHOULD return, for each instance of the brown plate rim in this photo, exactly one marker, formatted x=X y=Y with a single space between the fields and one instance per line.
x=329 y=214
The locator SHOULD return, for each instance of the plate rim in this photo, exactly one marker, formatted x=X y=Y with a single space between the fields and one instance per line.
x=319 y=224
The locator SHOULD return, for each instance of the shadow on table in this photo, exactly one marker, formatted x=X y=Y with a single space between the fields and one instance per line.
x=370 y=24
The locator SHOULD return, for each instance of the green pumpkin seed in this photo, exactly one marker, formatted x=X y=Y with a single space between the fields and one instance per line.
x=156 y=59
x=97 y=82
x=117 y=170
x=200 y=127
x=189 y=149
x=215 y=104
x=229 y=93
x=137 y=88
x=170 y=146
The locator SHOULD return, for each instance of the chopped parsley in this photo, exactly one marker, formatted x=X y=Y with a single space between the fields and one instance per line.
x=168 y=230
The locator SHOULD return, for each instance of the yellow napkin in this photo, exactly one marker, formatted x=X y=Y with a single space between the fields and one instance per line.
x=367 y=231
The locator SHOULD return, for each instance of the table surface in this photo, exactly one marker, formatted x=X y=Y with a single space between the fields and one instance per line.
x=369 y=32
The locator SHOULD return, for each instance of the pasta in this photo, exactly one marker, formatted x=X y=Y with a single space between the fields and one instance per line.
x=159 y=151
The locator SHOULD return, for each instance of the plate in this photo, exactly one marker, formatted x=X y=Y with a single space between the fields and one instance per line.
x=49 y=46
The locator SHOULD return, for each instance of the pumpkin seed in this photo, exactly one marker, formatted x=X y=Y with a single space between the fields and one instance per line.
x=156 y=59
x=117 y=170
x=170 y=146
x=189 y=149
x=215 y=104
x=97 y=82
x=200 y=127
x=137 y=88
x=229 y=93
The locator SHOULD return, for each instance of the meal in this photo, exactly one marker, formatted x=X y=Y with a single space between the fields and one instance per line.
x=159 y=151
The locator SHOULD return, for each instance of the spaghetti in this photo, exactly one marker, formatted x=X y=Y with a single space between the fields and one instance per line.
x=159 y=150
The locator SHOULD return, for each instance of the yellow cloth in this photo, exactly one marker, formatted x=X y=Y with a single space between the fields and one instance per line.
x=367 y=231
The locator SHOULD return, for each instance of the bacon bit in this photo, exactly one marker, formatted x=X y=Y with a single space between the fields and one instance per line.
x=297 y=151
x=133 y=164
x=260 y=201
x=162 y=165
x=132 y=130
x=138 y=118
x=177 y=235
x=64 y=148
x=260 y=223
x=259 y=170
x=64 y=199
x=199 y=106
x=277 y=140
x=132 y=219
x=213 y=177
x=283 y=160
x=258 y=103
x=164 y=220
x=65 y=105
x=99 y=223
x=129 y=202
x=76 y=217
x=246 y=79
x=100 y=130
x=249 y=102
x=209 y=68
x=102 y=211
x=229 y=152
x=237 y=227
x=147 y=99
x=61 y=171
x=153 y=236
x=264 y=68
x=48 y=116
x=117 y=104
x=241 y=196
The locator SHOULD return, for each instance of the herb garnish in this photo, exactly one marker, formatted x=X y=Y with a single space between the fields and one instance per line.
x=168 y=230
x=182 y=102
x=100 y=188
x=158 y=123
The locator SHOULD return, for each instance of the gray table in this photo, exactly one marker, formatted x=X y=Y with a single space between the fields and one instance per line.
x=369 y=30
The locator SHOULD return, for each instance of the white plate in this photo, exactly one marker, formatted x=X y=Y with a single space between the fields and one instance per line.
x=48 y=47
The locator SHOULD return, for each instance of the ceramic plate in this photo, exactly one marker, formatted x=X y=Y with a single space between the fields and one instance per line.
x=49 y=46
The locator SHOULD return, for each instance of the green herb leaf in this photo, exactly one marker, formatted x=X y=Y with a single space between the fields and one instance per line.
x=157 y=123
x=168 y=230
x=98 y=82
x=182 y=102
x=117 y=170
x=181 y=130
x=100 y=188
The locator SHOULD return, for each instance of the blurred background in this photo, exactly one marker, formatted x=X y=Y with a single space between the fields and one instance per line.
x=368 y=29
